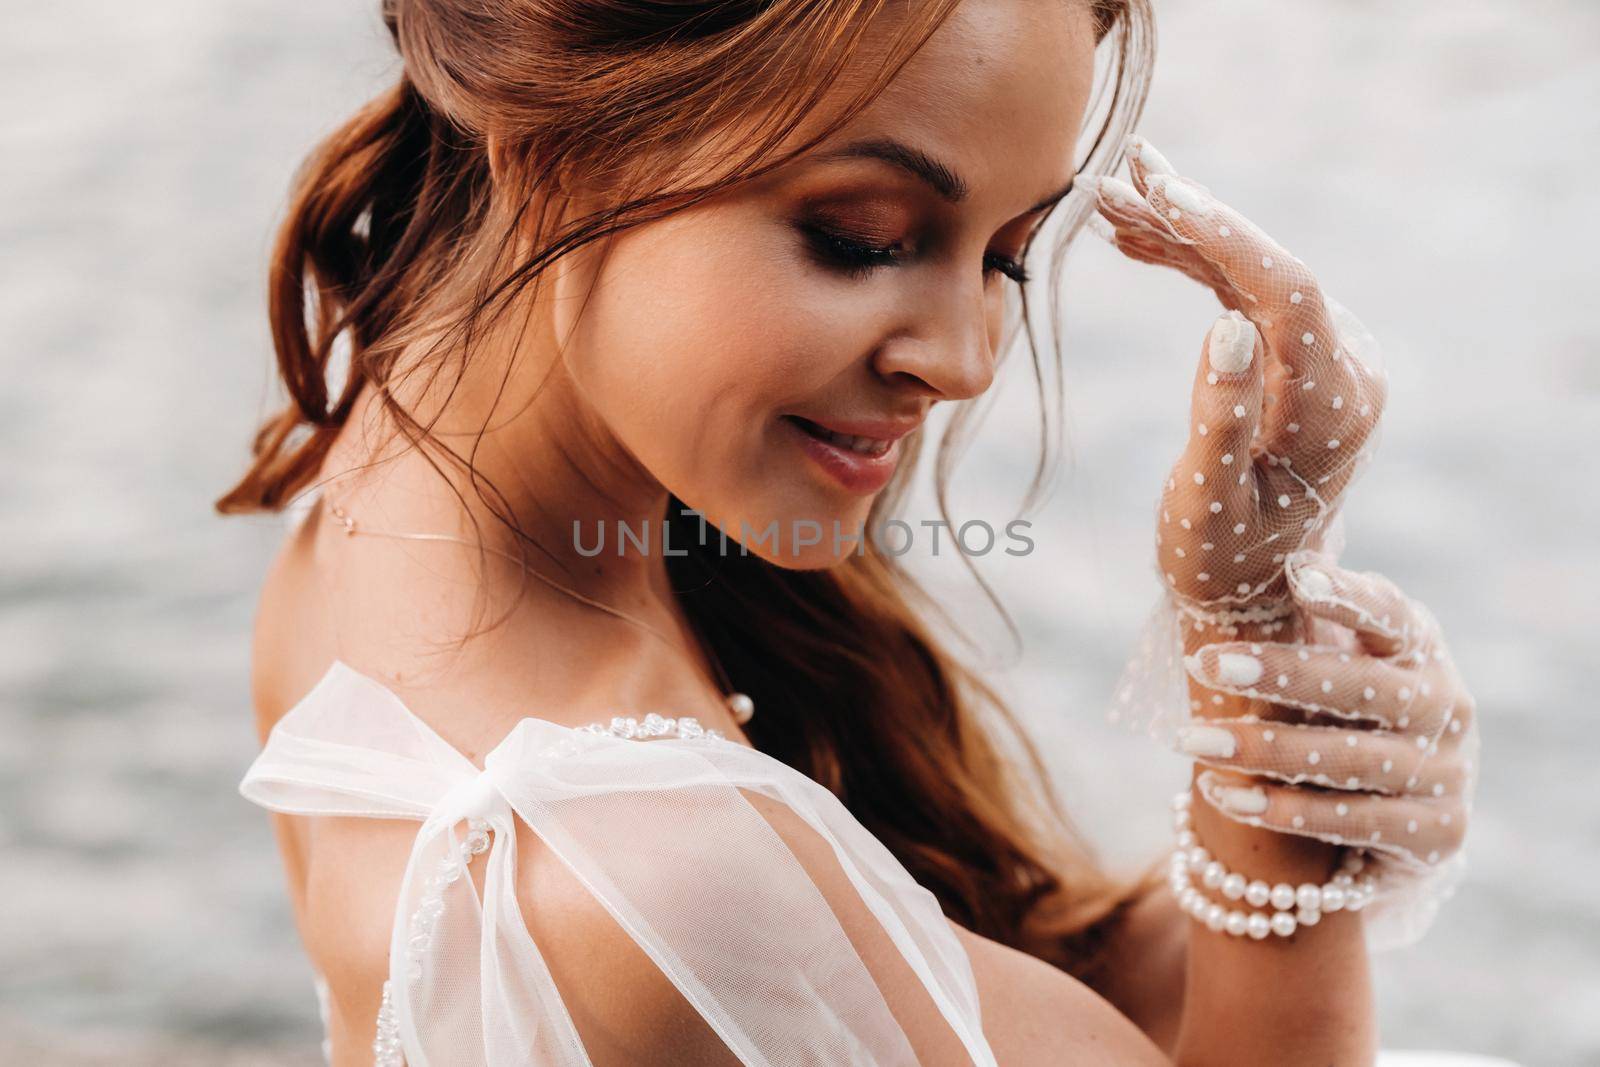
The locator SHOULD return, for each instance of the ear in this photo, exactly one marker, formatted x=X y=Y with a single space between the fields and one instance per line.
x=571 y=279
x=499 y=158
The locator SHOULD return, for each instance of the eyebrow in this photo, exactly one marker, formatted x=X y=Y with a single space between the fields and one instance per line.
x=936 y=175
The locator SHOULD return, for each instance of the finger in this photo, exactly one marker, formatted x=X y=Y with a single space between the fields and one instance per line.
x=1212 y=490
x=1326 y=396
x=1159 y=250
x=1123 y=206
x=1463 y=713
x=1136 y=244
x=1144 y=162
x=1258 y=266
x=1326 y=405
x=1419 y=831
x=1382 y=617
x=1327 y=681
x=1150 y=169
x=1225 y=406
x=1335 y=757
x=1131 y=226
x=1387 y=623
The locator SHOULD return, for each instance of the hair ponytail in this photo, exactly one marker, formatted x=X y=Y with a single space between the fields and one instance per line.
x=368 y=205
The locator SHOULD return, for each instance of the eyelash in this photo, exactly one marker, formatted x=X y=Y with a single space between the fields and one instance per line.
x=857 y=259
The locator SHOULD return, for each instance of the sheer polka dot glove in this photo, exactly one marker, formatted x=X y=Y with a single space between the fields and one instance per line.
x=1385 y=755
x=1285 y=412
x=1286 y=400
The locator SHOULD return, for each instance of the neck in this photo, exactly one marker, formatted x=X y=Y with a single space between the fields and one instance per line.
x=396 y=491
x=541 y=458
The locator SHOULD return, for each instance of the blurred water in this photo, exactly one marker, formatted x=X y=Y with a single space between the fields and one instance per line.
x=1427 y=159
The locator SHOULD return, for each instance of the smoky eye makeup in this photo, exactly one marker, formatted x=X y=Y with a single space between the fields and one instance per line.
x=856 y=251
x=850 y=249
x=854 y=237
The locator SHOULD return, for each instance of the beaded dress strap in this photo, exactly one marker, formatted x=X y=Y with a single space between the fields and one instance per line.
x=350 y=747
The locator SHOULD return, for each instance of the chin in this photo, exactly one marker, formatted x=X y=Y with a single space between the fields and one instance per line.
x=816 y=558
x=801 y=539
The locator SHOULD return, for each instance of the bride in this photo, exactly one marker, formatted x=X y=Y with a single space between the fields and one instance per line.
x=600 y=727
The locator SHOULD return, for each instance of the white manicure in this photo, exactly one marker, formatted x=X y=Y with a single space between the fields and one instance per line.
x=1241 y=800
x=1152 y=161
x=1206 y=741
x=1184 y=196
x=1115 y=189
x=1315 y=583
x=1235 y=668
x=1232 y=344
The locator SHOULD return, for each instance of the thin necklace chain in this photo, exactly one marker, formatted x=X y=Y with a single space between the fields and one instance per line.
x=740 y=704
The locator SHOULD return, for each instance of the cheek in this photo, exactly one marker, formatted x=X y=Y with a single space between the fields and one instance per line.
x=720 y=307
x=700 y=332
x=673 y=341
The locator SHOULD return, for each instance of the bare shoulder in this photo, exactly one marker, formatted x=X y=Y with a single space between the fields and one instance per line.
x=392 y=609
x=324 y=597
x=291 y=646
x=624 y=1007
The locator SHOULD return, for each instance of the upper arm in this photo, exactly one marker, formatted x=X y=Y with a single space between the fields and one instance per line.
x=625 y=1008
x=1034 y=1013
x=1147 y=962
x=628 y=1011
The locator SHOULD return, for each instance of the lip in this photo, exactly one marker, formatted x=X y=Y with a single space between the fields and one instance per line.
x=854 y=471
x=881 y=429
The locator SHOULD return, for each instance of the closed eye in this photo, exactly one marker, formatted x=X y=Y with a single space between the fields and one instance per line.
x=853 y=257
x=857 y=258
x=1011 y=268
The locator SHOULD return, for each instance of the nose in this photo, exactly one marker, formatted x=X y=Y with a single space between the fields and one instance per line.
x=949 y=347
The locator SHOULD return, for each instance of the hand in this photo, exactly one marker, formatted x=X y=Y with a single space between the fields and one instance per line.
x=1335 y=713
x=1386 y=757
x=1286 y=399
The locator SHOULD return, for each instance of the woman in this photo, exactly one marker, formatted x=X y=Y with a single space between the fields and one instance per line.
x=699 y=272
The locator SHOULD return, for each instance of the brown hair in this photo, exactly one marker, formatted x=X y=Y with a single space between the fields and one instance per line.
x=401 y=221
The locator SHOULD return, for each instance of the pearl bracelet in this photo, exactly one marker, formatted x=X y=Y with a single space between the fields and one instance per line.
x=1292 y=906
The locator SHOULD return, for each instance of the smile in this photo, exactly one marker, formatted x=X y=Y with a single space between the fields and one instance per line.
x=859 y=465
x=867 y=446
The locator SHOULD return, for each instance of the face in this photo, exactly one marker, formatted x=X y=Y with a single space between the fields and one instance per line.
x=762 y=355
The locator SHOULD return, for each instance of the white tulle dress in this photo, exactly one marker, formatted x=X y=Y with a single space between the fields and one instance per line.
x=659 y=820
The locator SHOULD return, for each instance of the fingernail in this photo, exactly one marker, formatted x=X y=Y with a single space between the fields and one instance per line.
x=1241 y=800
x=1235 y=668
x=1183 y=196
x=1151 y=160
x=1232 y=345
x=1206 y=741
x=1118 y=191
x=1314 y=583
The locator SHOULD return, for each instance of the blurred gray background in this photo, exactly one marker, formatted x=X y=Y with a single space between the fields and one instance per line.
x=1429 y=160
